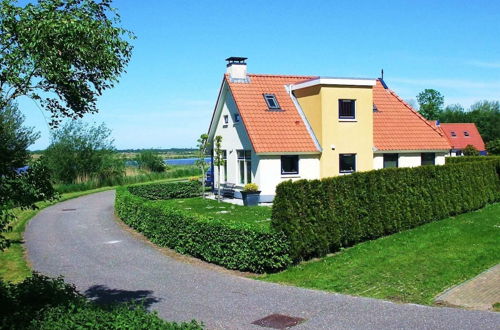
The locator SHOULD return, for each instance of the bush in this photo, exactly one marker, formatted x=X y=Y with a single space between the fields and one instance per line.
x=322 y=216
x=470 y=150
x=40 y=302
x=466 y=159
x=232 y=245
x=493 y=147
x=157 y=191
x=150 y=160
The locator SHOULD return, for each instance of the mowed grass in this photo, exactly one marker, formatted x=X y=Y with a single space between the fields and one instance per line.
x=256 y=216
x=13 y=265
x=412 y=266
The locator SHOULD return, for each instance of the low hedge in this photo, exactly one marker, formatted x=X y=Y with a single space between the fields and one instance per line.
x=322 y=216
x=232 y=245
x=462 y=159
x=156 y=191
x=40 y=302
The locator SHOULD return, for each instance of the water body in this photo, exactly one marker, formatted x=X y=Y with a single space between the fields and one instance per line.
x=183 y=161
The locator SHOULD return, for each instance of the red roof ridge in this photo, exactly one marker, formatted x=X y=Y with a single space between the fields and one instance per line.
x=415 y=112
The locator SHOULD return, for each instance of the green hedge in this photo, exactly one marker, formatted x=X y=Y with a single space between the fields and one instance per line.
x=322 y=216
x=462 y=159
x=40 y=302
x=171 y=190
x=232 y=245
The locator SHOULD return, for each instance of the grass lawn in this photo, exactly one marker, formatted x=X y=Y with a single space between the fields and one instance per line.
x=411 y=266
x=13 y=266
x=258 y=216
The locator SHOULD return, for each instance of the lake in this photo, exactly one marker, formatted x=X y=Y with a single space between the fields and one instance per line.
x=184 y=161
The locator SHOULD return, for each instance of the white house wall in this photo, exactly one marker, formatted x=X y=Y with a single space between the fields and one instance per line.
x=269 y=175
x=407 y=159
x=234 y=137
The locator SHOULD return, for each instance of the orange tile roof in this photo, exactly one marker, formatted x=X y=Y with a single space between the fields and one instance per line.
x=271 y=131
x=460 y=141
x=396 y=126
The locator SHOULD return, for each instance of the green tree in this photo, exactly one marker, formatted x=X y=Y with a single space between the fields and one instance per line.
x=431 y=103
x=470 y=150
x=493 y=147
x=18 y=188
x=81 y=152
x=218 y=161
x=200 y=162
x=150 y=160
x=62 y=53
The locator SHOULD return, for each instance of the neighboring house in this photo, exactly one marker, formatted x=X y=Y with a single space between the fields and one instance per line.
x=278 y=127
x=460 y=135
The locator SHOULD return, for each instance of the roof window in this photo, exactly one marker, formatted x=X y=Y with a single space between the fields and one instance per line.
x=272 y=102
x=453 y=134
x=466 y=133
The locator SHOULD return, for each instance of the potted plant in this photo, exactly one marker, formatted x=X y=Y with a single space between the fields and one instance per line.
x=250 y=194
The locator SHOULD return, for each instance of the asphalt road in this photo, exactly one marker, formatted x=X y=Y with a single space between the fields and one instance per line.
x=81 y=240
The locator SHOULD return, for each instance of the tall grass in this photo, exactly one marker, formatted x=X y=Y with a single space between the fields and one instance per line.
x=133 y=176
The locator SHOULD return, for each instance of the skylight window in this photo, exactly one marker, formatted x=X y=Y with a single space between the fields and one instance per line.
x=466 y=133
x=272 y=102
x=453 y=134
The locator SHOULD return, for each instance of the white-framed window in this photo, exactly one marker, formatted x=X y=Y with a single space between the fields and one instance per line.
x=391 y=160
x=226 y=119
x=428 y=158
x=272 y=102
x=224 y=157
x=244 y=166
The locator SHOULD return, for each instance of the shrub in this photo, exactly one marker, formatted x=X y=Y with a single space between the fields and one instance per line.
x=150 y=160
x=493 y=147
x=321 y=216
x=470 y=150
x=40 y=302
x=232 y=245
x=157 y=191
x=466 y=159
x=251 y=187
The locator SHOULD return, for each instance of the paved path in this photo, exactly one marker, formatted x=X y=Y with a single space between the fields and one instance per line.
x=81 y=240
x=479 y=293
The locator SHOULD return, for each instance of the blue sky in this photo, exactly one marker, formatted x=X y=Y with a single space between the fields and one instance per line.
x=167 y=96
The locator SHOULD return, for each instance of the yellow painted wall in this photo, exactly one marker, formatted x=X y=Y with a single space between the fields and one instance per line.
x=320 y=105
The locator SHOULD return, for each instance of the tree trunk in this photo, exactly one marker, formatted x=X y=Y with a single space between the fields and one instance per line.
x=219 y=197
x=202 y=182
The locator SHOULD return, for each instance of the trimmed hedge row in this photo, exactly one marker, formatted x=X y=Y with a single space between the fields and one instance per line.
x=156 y=191
x=462 y=159
x=321 y=216
x=232 y=245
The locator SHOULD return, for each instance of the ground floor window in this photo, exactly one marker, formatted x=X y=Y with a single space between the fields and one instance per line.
x=224 y=158
x=347 y=163
x=290 y=164
x=390 y=160
x=245 y=166
x=428 y=158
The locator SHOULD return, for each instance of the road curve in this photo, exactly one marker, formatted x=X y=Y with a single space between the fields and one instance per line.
x=81 y=240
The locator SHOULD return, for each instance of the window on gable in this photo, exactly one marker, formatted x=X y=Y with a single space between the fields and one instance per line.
x=272 y=102
x=236 y=118
x=453 y=134
x=466 y=133
x=290 y=164
x=347 y=109
x=226 y=119
x=347 y=163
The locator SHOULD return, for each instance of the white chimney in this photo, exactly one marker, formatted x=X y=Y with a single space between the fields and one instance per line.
x=237 y=69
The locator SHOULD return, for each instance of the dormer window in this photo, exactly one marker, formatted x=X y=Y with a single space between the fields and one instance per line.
x=272 y=102
x=466 y=133
x=453 y=134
